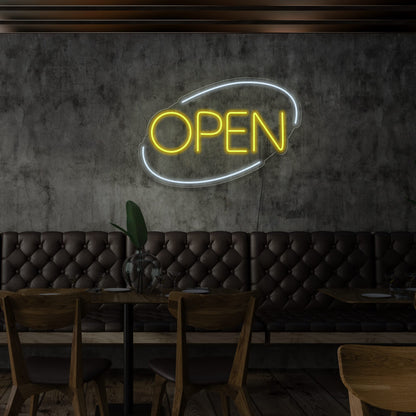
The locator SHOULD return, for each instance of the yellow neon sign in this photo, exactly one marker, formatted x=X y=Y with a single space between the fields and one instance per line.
x=229 y=131
x=155 y=142
x=206 y=129
x=257 y=122
x=201 y=133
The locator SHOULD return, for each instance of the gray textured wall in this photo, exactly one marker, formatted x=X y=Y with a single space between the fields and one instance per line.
x=74 y=107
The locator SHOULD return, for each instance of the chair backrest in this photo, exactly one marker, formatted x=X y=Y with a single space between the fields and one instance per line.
x=42 y=312
x=382 y=376
x=213 y=312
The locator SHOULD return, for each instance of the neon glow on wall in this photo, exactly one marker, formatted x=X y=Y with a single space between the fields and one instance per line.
x=241 y=125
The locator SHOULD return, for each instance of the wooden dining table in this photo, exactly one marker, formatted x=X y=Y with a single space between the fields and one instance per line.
x=128 y=298
x=369 y=295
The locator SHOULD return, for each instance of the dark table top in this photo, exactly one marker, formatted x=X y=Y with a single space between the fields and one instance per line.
x=370 y=295
x=103 y=296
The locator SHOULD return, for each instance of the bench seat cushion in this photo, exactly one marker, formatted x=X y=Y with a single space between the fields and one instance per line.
x=156 y=318
x=340 y=320
x=153 y=318
x=103 y=318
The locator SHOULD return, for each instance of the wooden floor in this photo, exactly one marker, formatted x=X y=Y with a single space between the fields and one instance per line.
x=274 y=393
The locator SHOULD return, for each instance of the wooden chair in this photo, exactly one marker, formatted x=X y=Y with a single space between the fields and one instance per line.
x=381 y=376
x=226 y=375
x=36 y=375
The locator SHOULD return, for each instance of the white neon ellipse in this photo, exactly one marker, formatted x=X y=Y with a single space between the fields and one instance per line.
x=247 y=82
x=208 y=181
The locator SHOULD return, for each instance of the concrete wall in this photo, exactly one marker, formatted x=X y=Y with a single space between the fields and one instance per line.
x=74 y=108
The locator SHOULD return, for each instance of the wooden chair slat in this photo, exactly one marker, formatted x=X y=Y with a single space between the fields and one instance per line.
x=44 y=311
x=211 y=312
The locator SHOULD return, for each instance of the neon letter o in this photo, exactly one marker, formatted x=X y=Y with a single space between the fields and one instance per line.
x=163 y=149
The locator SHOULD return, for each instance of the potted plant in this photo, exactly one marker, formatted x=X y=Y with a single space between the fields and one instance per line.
x=141 y=269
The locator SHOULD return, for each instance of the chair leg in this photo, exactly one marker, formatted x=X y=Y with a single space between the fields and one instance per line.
x=34 y=405
x=242 y=401
x=178 y=406
x=101 y=396
x=14 y=403
x=357 y=407
x=158 y=391
x=225 y=407
x=78 y=402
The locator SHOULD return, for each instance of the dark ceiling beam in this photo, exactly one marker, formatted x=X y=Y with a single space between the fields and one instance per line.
x=68 y=27
x=218 y=15
x=243 y=16
x=208 y=3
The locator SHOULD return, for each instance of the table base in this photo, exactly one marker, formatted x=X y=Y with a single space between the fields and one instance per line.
x=116 y=409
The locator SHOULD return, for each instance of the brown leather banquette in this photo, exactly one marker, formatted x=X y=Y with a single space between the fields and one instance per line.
x=289 y=268
x=286 y=269
x=94 y=259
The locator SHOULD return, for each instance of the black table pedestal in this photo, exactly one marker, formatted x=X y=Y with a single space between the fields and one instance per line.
x=127 y=408
x=128 y=359
x=117 y=409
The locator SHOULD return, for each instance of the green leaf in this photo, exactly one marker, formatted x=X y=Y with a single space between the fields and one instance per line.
x=412 y=201
x=136 y=225
x=121 y=229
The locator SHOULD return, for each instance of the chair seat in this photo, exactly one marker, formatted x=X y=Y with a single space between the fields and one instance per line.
x=381 y=376
x=45 y=370
x=202 y=371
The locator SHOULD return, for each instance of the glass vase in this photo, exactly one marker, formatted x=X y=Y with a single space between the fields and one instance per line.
x=141 y=271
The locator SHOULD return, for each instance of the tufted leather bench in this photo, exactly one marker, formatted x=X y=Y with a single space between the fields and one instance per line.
x=94 y=259
x=200 y=258
x=52 y=259
x=395 y=255
x=286 y=269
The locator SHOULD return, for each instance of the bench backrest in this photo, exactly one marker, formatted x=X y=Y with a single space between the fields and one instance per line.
x=201 y=258
x=286 y=268
x=289 y=268
x=54 y=259
x=395 y=255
